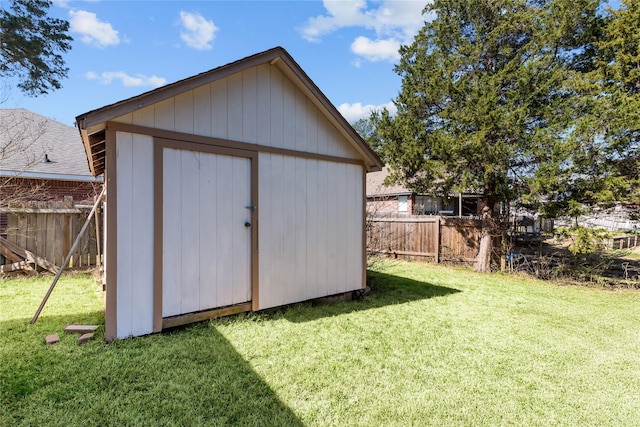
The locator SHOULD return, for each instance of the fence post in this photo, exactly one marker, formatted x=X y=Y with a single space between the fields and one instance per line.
x=438 y=240
x=503 y=248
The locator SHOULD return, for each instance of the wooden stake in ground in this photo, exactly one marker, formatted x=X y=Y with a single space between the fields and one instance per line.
x=66 y=260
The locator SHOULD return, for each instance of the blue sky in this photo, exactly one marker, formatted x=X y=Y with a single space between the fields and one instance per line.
x=124 y=48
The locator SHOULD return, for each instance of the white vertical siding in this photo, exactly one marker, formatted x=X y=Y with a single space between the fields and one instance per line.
x=302 y=118
x=259 y=106
x=271 y=211
x=241 y=233
x=184 y=112
x=324 y=194
x=310 y=237
x=333 y=229
x=143 y=116
x=288 y=239
x=219 y=110
x=134 y=235
x=164 y=114
x=263 y=106
x=202 y=110
x=300 y=229
x=312 y=213
x=224 y=238
x=189 y=205
x=234 y=107
x=207 y=252
x=171 y=234
x=249 y=106
x=276 y=110
x=355 y=197
x=312 y=128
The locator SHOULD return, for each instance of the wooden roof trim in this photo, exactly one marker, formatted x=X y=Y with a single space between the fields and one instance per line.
x=110 y=112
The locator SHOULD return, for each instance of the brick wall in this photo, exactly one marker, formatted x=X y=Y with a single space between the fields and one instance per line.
x=388 y=207
x=20 y=191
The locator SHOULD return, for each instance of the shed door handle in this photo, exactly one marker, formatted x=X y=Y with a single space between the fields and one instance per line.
x=247 y=224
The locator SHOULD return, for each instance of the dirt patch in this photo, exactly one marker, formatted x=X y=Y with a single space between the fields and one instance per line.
x=549 y=258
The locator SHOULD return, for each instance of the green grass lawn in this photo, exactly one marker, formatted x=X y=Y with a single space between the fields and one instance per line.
x=430 y=345
x=634 y=254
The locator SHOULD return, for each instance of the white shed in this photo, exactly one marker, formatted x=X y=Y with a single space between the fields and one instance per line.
x=238 y=189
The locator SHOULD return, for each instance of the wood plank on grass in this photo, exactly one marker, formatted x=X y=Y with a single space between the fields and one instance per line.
x=17 y=266
x=183 y=319
x=9 y=254
x=80 y=329
x=28 y=256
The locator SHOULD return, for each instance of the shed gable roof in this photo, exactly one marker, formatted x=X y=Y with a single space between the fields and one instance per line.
x=92 y=124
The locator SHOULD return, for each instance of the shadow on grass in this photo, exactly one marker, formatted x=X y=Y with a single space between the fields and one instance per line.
x=386 y=290
x=188 y=376
x=191 y=376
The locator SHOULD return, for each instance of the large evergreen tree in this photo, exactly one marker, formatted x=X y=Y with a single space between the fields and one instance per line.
x=31 y=44
x=606 y=137
x=484 y=103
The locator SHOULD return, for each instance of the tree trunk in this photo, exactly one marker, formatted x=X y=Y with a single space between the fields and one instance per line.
x=483 y=259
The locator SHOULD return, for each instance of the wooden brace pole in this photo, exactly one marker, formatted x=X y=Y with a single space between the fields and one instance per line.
x=66 y=261
x=98 y=238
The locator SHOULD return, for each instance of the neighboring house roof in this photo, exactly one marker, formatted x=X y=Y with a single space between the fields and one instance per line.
x=27 y=139
x=377 y=188
x=93 y=124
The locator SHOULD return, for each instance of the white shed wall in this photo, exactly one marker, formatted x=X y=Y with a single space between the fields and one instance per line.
x=134 y=171
x=257 y=106
x=310 y=233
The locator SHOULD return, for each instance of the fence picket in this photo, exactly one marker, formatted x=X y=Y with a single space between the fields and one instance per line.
x=431 y=237
x=49 y=229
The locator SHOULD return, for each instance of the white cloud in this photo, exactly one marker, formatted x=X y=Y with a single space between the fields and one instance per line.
x=378 y=50
x=198 y=33
x=394 y=22
x=61 y=3
x=108 y=77
x=92 y=30
x=357 y=111
x=341 y=14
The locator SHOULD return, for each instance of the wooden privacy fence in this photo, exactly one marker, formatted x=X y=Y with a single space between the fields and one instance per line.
x=625 y=242
x=49 y=229
x=432 y=237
